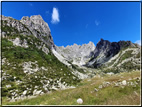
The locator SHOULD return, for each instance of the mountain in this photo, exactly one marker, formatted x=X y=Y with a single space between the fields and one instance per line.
x=30 y=65
x=33 y=25
x=33 y=65
x=39 y=29
x=115 y=54
x=77 y=54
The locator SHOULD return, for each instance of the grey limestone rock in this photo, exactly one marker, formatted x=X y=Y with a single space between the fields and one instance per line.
x=33 y=25
x=39 y=28
x=77 y=54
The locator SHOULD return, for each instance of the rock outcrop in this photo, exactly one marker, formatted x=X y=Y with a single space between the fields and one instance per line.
x=12 y=26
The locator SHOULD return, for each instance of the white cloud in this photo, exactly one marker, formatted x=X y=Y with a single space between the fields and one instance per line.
x=55 y=16
x=97 y=22
x=138 y=42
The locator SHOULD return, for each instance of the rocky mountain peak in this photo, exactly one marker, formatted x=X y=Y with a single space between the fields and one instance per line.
x=105 y=50
x=124 y=44
x=77 y=54
x=39 y=28
x=37 y=17
x=91 y=44
x=25 y=18
x=34 y=17
x=103 y=42
x=39 y=23
x=75 y=45
x=34 y=25
x=101 y=39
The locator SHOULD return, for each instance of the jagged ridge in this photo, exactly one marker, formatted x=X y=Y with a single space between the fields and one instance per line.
x=105 y=50
x=77 y=54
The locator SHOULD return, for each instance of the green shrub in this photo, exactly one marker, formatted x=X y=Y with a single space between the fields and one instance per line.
x=6 y=43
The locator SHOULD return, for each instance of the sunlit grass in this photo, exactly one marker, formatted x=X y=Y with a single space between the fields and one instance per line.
x=106 y=96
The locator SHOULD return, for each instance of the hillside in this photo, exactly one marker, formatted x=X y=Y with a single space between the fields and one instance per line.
x=28 y=65
x=100 y=90
x=34 y=67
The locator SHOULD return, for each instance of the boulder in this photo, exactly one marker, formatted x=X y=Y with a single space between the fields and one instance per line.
x=96 y=89
x=7 y=86
x=124 y=82
x=35 y=92
x=110 y=73
x=25 y=92
x=116 y=85
x=100 y=86
x=79 y=101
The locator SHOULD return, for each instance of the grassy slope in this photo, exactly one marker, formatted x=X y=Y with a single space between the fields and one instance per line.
x=16 y=55
x=107 y=96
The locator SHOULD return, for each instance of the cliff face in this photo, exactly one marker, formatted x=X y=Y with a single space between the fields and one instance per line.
x=105 y=50
x=39 y=28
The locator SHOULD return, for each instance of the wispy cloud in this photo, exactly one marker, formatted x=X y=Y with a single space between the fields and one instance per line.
x=97 y=22
x=30 y=4
x=55 y=16
x=138 y=42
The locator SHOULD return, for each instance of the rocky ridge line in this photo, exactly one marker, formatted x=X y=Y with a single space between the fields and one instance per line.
x=77 y=54
x=106 y=50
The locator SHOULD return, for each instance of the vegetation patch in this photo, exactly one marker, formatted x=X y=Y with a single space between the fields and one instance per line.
x=16 y=56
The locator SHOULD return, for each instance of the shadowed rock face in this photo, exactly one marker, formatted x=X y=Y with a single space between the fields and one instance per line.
x=106 y=50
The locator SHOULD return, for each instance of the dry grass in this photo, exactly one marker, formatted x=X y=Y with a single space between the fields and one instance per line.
x=85 y=90
x=131 y=99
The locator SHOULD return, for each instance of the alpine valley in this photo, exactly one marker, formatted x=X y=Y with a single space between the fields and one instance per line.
x=35 y=71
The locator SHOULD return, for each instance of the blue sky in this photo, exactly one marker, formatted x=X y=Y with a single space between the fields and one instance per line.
x=81 y=22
